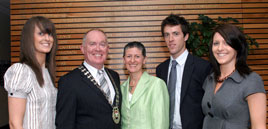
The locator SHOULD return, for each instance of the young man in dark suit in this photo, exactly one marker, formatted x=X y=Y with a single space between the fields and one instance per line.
x=184 y=75
x=89 y=96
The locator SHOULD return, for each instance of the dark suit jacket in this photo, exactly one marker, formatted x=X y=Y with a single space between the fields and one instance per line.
x=81 y=105
x=194 y=74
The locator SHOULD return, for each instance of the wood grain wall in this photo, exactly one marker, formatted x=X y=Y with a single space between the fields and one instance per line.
x=126 y=21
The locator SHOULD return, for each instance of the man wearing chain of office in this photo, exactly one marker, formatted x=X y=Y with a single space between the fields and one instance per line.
x=89 y=96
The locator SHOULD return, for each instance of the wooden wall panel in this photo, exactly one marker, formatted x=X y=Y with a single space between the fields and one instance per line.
x=255 y=22
x=126 y=21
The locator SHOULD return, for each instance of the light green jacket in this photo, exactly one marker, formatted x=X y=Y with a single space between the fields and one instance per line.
x=149 y=106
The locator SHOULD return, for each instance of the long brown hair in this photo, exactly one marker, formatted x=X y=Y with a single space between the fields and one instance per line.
x=27 y=47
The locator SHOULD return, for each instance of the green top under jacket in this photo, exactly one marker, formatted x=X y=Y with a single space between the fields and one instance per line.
x=149 y=106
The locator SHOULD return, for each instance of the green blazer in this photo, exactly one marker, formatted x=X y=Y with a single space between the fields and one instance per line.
x=149 y=106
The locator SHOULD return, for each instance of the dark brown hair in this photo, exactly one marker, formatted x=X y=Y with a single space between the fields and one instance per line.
x=235 y=38
x=135 y=44
x=175 y=20
x=27 y=47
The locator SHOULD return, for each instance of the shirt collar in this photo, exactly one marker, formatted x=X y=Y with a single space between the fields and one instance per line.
x=180 y=59
x=92 y=69
x=236 y=77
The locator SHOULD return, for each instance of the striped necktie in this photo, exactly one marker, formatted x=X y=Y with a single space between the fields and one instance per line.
x=103 y=83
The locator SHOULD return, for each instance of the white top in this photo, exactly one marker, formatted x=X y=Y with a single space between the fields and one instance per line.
x=20 y=82
x=129 y=96
x=180 y=67
x=94 y=73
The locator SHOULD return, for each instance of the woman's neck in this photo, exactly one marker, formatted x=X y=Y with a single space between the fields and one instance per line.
x=226 y=70
x=134 y=79
x=41 y=58
x=135 y=76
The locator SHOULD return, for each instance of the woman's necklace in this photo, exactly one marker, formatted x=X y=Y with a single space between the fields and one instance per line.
x=221 y=80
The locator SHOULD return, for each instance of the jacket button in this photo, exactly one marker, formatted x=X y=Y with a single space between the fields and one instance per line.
x=209 y=105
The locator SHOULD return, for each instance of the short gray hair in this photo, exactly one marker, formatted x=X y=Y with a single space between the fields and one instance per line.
x=94 y=29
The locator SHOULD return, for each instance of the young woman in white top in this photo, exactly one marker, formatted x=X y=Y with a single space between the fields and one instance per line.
x=30 y=83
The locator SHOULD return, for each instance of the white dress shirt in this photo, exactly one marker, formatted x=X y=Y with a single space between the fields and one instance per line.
x=180 y=67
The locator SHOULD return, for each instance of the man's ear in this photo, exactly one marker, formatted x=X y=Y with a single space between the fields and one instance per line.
x=82 y=49
x=186 y=37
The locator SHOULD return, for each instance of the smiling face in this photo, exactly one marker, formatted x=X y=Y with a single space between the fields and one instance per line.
x=95 y=48
x=224 y=53
x=175 y=40
x=134 y=60
x=43 y=42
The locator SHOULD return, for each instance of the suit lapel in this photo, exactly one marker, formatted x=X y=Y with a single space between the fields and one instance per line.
x=140 y=88
x=165 y=70
x=187 y=73
x=90 y=84
x=125 y=93
x=113 y=83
